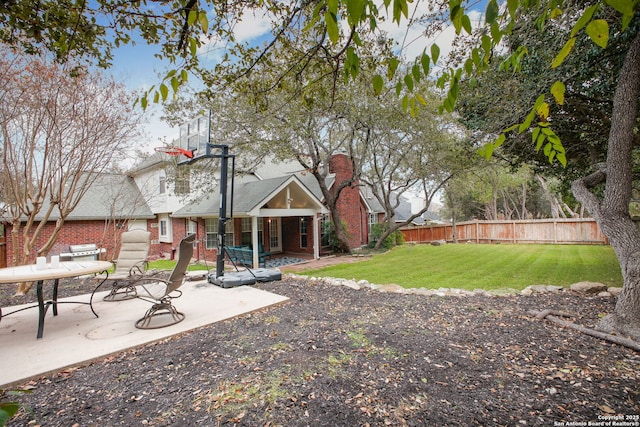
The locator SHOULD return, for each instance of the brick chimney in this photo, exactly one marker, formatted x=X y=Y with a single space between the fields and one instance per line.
x=348 y=203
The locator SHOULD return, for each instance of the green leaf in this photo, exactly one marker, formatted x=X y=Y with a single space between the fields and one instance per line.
x=456 y=18
x=435 y=53
x=425 y=60
x=486 y=46
x=421 y=99
x=408 y=81
x=598 y=30
x=512 y=6
x=625 y=7
x=466 y=24
x=562 y=159
x=392 y=67
x=564 y=52
x=556 y=12
x=496 y=33
x=7 y=411
x=405 y=103
x=500 y=140
x=584 y=19
x=534 y=134
x=355 y=11
x=557 y=90
x=492 y=11
x=415 y=71
x=192 y=17
x=184 y=75
x=378 y=84
x=468 y=66
x=486 y=151
x=547 y=149
x=398 y=88
x=331 y=21
x=527 y=121
x=164 y=91
x=332 y=26
x=203 y=20
x=175 y=84
x=400 y=7
x=540 y=141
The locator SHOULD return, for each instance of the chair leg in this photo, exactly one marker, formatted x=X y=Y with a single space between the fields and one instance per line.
x=121 y=292
x=160 y=310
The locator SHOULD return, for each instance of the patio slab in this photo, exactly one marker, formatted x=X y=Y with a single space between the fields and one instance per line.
x=76 y=336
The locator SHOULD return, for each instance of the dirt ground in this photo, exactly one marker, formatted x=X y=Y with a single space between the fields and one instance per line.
x=335 y=356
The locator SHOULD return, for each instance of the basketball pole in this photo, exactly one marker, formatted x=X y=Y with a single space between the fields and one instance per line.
x=224 y=157
x=222 y=214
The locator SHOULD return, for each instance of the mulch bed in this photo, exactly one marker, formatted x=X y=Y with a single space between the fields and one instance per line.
x=335 y=356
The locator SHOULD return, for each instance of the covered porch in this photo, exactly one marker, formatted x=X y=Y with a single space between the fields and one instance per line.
x=278 y=217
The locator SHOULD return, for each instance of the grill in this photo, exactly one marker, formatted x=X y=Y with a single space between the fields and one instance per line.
x=84 y=252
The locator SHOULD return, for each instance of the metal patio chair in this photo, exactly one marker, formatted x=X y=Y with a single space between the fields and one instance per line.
x=160 y=291
x=131 y=265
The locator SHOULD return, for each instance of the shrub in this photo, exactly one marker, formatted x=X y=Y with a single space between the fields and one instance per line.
x=394 y=239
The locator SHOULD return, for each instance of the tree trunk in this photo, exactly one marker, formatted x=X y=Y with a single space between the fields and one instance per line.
x=612 y=211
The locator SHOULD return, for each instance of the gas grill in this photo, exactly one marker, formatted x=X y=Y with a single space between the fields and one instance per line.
x=83 y=252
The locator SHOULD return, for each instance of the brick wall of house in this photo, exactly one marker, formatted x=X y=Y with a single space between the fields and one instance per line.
x=72 y=233
x=291 y=229
x=349 y=203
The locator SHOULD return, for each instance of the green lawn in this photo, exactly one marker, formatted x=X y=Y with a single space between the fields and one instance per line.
x=470 y=266
x=166 y=264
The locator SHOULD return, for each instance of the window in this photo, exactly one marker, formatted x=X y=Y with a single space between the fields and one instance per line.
x=303 y=232
x=163 y=184
x=325 y=230
x=247 y=229
x=164 y=228
x=211 y=230
x=373 y=219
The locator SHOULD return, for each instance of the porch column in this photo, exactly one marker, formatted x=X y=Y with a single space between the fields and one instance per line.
x=254 y=241
x=316 y=237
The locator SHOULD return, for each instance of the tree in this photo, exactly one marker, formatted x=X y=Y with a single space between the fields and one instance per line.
x=596 y=18
x=405 y=155
x=58 y=133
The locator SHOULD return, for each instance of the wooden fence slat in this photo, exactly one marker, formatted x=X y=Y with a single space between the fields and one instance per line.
x=560 y=231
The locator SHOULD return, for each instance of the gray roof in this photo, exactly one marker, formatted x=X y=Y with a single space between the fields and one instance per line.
x=111 y=196
x=246 y=197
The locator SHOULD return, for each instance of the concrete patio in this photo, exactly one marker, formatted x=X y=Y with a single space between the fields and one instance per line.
x=76 y=336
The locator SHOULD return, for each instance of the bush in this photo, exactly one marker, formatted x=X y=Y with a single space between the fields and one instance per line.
x=394 y=239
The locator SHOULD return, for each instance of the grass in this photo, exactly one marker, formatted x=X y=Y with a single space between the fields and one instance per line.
x=166 y=264
x=466 y=266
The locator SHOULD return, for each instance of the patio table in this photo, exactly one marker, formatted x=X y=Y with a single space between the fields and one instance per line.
x=32 y=273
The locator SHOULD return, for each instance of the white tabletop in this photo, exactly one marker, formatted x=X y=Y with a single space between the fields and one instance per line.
x=30 y=272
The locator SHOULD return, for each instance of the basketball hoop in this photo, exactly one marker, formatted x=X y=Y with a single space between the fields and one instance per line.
x=175 y=151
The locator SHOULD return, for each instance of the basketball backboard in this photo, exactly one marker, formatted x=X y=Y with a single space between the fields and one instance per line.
x=194 y=136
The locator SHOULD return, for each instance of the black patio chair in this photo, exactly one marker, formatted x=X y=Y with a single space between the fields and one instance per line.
x=160 y=291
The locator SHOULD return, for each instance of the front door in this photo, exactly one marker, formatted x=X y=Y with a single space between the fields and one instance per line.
x=275 y=235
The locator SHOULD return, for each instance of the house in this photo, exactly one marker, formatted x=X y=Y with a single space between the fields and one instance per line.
x=276 y=206
x=113 y=203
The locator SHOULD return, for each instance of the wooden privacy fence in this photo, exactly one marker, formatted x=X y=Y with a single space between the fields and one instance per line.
x=576 y=231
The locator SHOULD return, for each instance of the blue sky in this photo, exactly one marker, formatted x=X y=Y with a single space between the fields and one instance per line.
x=138 y=69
